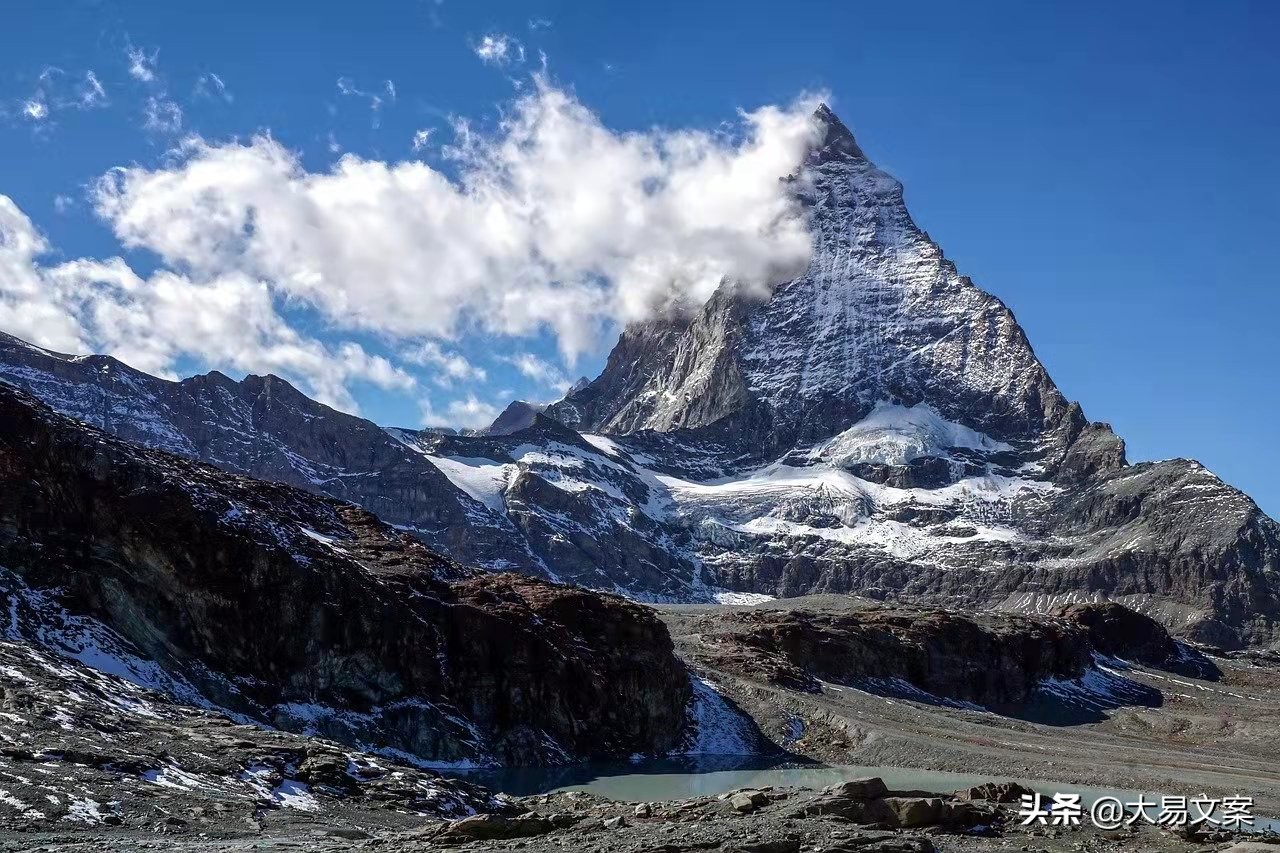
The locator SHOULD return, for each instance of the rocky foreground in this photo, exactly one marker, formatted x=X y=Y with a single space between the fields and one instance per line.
x=859 y=815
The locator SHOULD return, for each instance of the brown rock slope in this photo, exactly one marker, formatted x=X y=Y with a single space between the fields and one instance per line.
x=996 y=660
x=311 y=614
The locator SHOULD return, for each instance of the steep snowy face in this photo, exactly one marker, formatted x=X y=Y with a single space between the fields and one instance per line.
x=878 y=315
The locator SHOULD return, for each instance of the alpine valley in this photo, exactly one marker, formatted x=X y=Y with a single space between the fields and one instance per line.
x=852 y=520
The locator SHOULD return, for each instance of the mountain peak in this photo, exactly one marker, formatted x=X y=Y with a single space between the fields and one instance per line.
x=835 y=140
x=517 y=416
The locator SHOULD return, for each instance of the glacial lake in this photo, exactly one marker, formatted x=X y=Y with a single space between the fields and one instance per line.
x=677 y=779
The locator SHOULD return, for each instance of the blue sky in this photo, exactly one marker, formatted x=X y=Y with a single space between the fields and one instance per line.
x=1109 y=170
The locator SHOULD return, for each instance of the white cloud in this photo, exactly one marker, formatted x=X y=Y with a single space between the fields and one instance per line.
x=161 y=115
x=151 y=322
x=467 y=413
x=499 y=49
x=30 y=307
x=540 y=371
x=56 y=91
x=142 y=65
x=451 y=366
x=539 y=23
x=211 y=87
x=420 y=139
x=553 y=221
x=90 y=93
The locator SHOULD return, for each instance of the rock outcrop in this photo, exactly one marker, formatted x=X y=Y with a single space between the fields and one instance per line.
x=311 y=614
x=1120 y=632
x=995 y=661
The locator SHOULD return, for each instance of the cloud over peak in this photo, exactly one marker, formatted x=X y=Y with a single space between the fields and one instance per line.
x=552 y=221
x=547 y=222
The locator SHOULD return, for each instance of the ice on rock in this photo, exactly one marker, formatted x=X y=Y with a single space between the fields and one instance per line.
x=895 y=435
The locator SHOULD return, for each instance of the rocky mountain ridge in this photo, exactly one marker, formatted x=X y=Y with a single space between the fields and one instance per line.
x=311 y=615
x=877 y=425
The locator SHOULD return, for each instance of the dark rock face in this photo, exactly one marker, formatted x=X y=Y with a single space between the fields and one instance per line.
x=990 y=661
x=314 y=615
x=267 y=429
x=1120 y=632
x=641 y=351
x=130 y=756
x=517 y=416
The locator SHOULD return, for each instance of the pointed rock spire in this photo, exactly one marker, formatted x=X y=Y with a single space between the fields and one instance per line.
x=835 y=141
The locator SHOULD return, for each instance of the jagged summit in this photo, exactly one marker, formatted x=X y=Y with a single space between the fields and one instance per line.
x=878 y=315
x=835 y=141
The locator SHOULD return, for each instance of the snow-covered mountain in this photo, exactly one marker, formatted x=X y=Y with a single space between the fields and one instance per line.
x=878 y=315
x=878 y=424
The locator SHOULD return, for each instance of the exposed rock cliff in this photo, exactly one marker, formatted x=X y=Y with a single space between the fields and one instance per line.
x=999 y=660
x=313 y=615
x=879 y=314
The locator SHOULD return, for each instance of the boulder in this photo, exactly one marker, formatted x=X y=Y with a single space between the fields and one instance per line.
x=747 y=801
x=995 y=792
x=907 y=812
x=865 y=788
x=492 y=827
x=964 y=814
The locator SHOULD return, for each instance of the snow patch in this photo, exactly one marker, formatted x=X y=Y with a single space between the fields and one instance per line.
x=85 y=811
x=745 y=599
x=718 y=728
x=482 y=479
x=895 y=435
